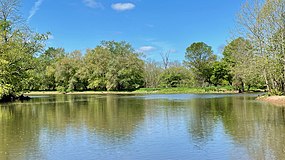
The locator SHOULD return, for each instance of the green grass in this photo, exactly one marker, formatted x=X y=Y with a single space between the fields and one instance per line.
x=178 y=90
x=225 y=89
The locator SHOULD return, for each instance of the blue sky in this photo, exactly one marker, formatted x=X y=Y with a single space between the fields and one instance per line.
x=151 y=26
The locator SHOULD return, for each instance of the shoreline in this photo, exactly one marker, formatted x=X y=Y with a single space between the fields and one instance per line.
x=176 y=90
x=77 y=93
x=275 y=100
x=118 y=93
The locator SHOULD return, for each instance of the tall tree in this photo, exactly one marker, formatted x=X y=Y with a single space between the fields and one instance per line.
x=200 y=58
x=66 y=72
x=152 y=71
x=18 y=46
x=262 y=22
x=165 y=59
x=44 y=74
x=96 y=67
x=221 y=74
x=125 y=68
x=238 y=57
x=114 y=66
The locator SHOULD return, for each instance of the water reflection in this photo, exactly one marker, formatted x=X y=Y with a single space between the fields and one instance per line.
x=142 y=127
x=111 y=118
x=258 y=128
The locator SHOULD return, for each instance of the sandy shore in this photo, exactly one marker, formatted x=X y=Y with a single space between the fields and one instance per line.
x=276 y=100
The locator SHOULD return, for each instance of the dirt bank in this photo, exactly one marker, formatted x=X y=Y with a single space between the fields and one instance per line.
x=276 y=100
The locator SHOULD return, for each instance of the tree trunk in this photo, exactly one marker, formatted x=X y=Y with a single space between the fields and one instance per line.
x=242 y=86
x=266 y=80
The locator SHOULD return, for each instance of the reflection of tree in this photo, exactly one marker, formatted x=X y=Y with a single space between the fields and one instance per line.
x=258 y=127
x=237 y=108
x=199 y=114
x=201 y=119
x=18 y=127
x=113 y=118
x=116 y=118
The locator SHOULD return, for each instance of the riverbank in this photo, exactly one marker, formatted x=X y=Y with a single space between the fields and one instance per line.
x=275 y=100
x=142 y=91
x=74 y=93
x=182 y=90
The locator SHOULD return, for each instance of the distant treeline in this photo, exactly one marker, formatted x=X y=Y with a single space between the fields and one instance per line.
x=255 y=59
x=116 y=66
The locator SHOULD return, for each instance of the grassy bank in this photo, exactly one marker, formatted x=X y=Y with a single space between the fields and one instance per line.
x=227 y=89
x=75 y=93
x=179 y=90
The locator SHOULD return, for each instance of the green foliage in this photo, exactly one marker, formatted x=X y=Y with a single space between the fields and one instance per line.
x=243 y=64
x=178 y=90
x=175 y=76
x=114 y=66
x=152 y=70
x=146 y=90
x=233 y=50
x=275 y=92
x=96 y=62
x=6 y=89
x=67 y=75
x=221 y=74
x=254 y=61
x=200 y=58
x=262 y=23
x=125 y=69
x=18 y=48
x=44 y=74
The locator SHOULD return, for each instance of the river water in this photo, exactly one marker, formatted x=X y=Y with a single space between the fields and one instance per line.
x=144 y=127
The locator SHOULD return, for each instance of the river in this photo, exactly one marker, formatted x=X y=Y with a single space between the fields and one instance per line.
x=144 y=127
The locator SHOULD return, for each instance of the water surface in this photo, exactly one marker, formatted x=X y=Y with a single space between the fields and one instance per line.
x=179 y=126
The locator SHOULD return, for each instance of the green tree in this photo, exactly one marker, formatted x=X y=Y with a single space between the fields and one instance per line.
x=44 y=75
x=221 y=74
x=200 y=58
x=176 y=76
x=96 y=66
x=125 y=68
x=152 y=71
x=234 y=55
x=66 y=72
x=18 y=47
x=114 y=66
x=262 y=22
x=242 y=62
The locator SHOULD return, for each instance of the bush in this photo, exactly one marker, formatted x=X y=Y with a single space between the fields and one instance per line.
x=5 y=90
x=61 y=89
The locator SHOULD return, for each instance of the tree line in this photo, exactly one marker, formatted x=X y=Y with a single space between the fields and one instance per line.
x=255 y=59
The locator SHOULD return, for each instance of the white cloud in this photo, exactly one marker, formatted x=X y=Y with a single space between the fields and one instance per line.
x=35 y=8
x=50 y=37
x=146 y=49
x=172 y=50
x=92 y=4
x=123 y=6
x=163 y=45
